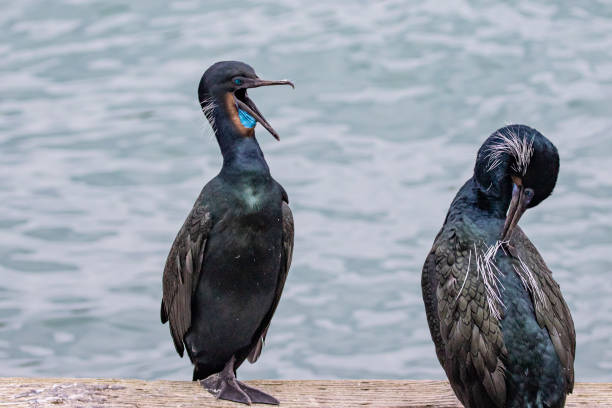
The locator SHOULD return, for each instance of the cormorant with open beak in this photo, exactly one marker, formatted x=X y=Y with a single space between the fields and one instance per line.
x=502 y=330
x=227 y=266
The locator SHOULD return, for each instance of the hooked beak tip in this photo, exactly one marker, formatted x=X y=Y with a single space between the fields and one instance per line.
x=271 y=130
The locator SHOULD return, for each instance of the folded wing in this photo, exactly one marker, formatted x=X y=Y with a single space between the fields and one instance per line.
x=182 y=272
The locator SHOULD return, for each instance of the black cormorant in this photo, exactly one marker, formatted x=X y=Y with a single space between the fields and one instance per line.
x=502 y=330
x=227 y=267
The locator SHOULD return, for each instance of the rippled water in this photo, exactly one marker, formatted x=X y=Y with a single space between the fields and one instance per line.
x=104 y=149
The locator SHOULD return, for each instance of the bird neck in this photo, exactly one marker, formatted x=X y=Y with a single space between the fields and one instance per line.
x=238 y=145
x=492 y=200
x=242 y=155
x=493 y=187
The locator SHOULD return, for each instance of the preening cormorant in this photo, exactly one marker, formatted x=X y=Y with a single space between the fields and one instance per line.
x=502 y=330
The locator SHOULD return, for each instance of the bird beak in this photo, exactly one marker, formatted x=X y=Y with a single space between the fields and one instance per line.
x=521 y=197
x=247 y=105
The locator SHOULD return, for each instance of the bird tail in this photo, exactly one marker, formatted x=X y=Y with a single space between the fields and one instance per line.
x=197 y=374
x=200 y=373
x=162 y=313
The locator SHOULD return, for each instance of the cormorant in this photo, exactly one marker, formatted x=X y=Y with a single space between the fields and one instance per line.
x=502 y=330
x=227 y=267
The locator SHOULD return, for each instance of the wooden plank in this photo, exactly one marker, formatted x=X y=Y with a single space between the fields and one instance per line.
x=85 y=392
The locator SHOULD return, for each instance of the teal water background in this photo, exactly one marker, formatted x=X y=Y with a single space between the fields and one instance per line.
x=103 y=151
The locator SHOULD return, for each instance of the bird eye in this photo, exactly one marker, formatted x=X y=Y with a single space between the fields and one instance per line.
x=238 y=81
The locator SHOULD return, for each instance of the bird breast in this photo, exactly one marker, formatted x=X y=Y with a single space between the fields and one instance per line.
x=252 y=198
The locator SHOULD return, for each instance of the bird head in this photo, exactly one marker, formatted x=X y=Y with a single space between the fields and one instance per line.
x=524 y=163
x=223 y=87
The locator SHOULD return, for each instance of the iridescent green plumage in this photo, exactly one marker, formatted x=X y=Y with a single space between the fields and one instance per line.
x=522 y=353
x=227 y=267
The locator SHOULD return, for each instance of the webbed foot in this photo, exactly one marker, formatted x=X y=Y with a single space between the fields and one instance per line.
x=225 y=386
x=257 y=396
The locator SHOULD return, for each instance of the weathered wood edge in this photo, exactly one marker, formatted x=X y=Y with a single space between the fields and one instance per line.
x=89 y=392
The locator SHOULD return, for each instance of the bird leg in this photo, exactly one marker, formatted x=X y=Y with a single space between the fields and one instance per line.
x=225 y=386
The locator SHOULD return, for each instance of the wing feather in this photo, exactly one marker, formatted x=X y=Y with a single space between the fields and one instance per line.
x=552 y=313
x=468 y=339
x=182 y=272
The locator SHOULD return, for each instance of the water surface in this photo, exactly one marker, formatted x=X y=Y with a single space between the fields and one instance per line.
x=104 y=150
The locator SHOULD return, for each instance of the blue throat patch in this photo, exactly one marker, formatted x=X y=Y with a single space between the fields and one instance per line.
x=247 y=120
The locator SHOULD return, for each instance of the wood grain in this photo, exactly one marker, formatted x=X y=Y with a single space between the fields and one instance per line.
x=86 y=392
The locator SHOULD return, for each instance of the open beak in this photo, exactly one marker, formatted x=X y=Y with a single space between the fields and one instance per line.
x=246 y=104
x=521 y=197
